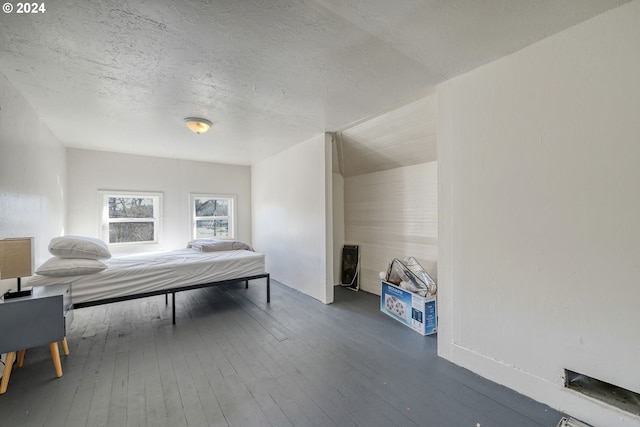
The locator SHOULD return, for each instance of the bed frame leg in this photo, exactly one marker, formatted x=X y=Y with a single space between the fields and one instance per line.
x=268 y=289
x=173 y=308
x=166 y=299
x=246 y=284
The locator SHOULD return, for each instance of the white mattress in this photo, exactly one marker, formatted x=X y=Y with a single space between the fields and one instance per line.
x=149 y=272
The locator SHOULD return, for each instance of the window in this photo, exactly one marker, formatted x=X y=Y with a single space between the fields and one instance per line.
x=212 y=216
x=131 y=217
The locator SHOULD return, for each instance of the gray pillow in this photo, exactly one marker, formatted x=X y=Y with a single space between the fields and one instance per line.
x=213 y=245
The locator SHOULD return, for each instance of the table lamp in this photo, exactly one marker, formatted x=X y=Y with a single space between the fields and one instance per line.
x=16 y=261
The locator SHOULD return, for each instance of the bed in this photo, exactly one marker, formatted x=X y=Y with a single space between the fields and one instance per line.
x=160 y=273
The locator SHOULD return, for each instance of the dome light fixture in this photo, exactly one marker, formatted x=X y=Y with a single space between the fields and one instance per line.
x=198 y=124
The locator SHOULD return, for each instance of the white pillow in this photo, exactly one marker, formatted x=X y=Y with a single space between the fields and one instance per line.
x=79 y=247
x=60 y=267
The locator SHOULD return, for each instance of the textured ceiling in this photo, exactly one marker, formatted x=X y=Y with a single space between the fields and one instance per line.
x=121 y=75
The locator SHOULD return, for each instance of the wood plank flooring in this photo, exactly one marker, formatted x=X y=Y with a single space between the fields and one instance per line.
x=234 y=360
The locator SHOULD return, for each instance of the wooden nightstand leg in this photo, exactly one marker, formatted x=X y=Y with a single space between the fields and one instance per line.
x=8 y=364
x=55 y=355
x=20 y=361
x=65 y=346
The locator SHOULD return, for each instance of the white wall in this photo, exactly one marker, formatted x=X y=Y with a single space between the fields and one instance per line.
x=393 y=214
x=32 y=176
x=90 y=171
x=539 y=221
x=292 y=216
x=338 y=226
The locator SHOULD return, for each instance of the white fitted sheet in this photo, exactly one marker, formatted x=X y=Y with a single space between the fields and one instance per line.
x=149 y=272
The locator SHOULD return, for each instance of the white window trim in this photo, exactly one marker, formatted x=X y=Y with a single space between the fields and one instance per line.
x=232 y=216
x=104 y=196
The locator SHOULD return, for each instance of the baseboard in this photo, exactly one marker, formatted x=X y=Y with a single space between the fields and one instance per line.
x=542 y=390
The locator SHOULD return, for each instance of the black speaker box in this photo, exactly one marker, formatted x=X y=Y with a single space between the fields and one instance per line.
x=349 y=276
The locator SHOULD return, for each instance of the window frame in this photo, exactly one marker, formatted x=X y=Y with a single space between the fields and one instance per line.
x=231 y=218
x=105 y=221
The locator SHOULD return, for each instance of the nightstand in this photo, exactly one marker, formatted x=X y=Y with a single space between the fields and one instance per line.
x=38 y=319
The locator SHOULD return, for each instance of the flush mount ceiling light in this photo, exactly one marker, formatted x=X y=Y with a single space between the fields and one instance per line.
x=197 y=124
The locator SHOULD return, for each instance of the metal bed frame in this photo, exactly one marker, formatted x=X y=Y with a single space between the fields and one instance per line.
x=173 y=292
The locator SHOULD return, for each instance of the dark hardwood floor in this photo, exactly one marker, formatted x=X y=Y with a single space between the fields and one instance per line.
x=234 y=360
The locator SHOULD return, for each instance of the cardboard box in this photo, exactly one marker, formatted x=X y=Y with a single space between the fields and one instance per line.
x=417 y=312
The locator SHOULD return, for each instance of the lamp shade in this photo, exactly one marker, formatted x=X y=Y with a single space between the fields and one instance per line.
x=16 y=257
x=197 y=124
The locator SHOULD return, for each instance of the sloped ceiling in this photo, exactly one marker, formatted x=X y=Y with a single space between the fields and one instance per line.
x=404 y=136
x=121 y=75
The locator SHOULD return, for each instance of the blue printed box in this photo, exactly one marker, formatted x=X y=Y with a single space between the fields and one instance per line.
x=417 y=312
